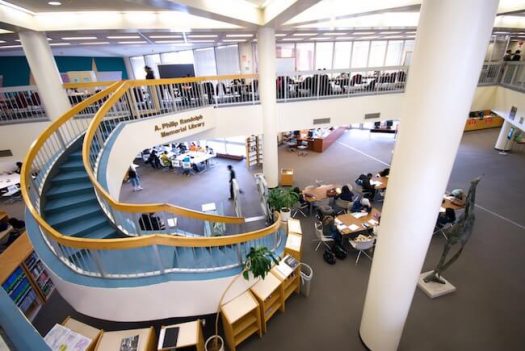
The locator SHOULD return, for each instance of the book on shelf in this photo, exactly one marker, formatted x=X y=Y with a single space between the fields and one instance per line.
x=169 y=337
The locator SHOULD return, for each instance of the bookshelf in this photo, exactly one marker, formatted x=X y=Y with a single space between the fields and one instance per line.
x=189 y=335
x=241 y=317
x=290 y=279
x=254 y=150
x=24 y=277
x=267 y=291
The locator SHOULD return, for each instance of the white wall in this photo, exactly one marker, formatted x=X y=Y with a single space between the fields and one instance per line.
x=504 y=100
x=484 y=98
x=18 y=138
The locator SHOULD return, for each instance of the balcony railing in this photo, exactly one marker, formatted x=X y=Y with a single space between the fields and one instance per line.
x=21 y=104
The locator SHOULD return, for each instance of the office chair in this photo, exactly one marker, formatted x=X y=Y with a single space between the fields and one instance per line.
x=186 y=168
x=362 y=247
x=299 y=207
x=321 y=238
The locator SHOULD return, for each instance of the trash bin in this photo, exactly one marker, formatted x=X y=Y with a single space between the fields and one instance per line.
x=306 y=279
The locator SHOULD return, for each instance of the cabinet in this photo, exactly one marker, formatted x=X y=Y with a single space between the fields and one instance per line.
x=287 y=177
x=254 y=150
x=24 y=277
x=133 y=339
x=241 y=317
x=290 y=279
x=269 y=294
x=189 y=335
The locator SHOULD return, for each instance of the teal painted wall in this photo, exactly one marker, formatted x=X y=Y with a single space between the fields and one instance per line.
x=15 y=69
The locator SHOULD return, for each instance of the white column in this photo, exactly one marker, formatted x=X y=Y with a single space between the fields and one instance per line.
x=267 y=91
x=446 y=65
x=44 y=70
x=503 y=143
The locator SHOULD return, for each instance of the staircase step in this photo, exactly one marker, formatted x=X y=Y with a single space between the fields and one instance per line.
x=77 y=155
x=69 y=202
x=74 y=214
x=73 y=165
x=83 y=227
x=65 y=190
x=68 y=177
x=105 y=232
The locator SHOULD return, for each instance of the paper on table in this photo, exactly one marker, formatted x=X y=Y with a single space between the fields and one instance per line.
x=353 y=227
x=442 y=209
x=62 y=338
x=208 y=207
x=294 y=242
x=359 y=214
x=284 y=269
x=375 y=182
x=337 y=221
x=373 y=222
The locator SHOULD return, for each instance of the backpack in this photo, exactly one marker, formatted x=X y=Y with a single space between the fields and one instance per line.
x=329 y=256
x=340 y=252
x=359 y=180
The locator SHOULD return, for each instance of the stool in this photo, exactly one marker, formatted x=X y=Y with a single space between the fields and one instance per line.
x=302 y=150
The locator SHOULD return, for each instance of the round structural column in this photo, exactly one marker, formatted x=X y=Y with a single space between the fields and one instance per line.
x=452 y=38
x=267 y=93
x=45 y=72
x=503 y=143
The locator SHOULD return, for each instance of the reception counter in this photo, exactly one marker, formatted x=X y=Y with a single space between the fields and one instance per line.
x=476 y=123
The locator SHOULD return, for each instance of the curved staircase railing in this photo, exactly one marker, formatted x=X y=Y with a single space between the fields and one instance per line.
x=148 y=255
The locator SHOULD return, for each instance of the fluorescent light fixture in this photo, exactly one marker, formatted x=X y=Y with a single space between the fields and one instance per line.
x=291 y=39
x=169 y=42
x=278 y=35
x=59 y=44
x=202 y=36
x=233 y=40
x=2 y=41
x=368 y=37
x=201 y=41
x=54 y=3
x=304 y=34
x=132 y=42
x=363 y=33
x=389 y=32
x=165 y=36
x=321 y=38
x=10 y=46
x=79 y=38
x=123 y=37
x=96 y=43
x=330 y=33
x=239 y=35
x=344 y=38
x=3 y=31
x=18 y=40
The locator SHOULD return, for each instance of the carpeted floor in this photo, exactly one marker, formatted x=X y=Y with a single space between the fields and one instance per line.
x=485 y=313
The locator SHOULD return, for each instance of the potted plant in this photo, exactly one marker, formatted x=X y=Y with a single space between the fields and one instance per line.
x=282 y=199
x=258 y=262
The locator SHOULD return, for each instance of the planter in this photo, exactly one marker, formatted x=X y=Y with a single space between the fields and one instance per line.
x=285 y=214
x=210 y=343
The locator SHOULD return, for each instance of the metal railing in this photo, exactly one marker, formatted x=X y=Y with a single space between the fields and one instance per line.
x=78 y=92
x=21 y=104
x=513 y=76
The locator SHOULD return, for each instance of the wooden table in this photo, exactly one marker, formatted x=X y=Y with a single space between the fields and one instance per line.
x=348 y=220
x=190 y=334
x=319 y=193
x=448 y=203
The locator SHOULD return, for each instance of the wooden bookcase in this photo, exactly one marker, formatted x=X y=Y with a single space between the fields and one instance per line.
x=254 y=150
x=109 y=341
x=241 y=317
x=24 y=277
x=190 y=334
x=290 y=282
x=270 y=296
x=83 y=329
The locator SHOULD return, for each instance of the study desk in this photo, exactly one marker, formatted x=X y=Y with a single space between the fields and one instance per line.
x=319 y=193
x=349 y=224
x=196 y=157
x=7 y=180
x=322 y=143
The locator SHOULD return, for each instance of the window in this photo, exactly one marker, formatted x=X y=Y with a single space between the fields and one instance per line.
x=178 y=57
x=304 y=56
x=407 y=52
x=376 y=58
x=323 y=55
x=360 y=54
x=283 y=50
x=342 y=54
x=137 y=65
x=205 y=62
x=231 y=146
x=227 y=58
x=394 y=52
x=153 y=61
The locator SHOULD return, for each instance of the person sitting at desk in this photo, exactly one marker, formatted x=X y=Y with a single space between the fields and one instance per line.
x=153 y=159
x=330 y=230
x=346 y=194
x=182 y=148
x=361 y=206
x=194 y=147
x=148 y=221
x=444 y=218
x=369 y=190
x=165 y=160
x=385 y=172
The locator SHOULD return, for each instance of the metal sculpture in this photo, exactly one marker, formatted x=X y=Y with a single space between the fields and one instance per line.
x=458 y=233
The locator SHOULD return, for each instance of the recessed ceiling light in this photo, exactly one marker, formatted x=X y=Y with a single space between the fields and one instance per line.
x=18 y=40
x=239 y=35
x=202 y=41
x=10 y=46
x=321 y=38
x=344 y=38
x=54 y=3
x=291 y=39
x=280 y=35
x=389 y=32
x=132 y=42
x=369 y=37
x=202 y=36
x=2 y=41
x=233 y=40
x=330 y=33
x=165 y=36
x=79 y=38
x=59 y=44
x=304 y=34
x=169 y=41
x=363 y=33
x=96 y=43
x=123 y=37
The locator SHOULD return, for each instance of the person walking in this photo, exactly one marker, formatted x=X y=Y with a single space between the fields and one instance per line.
x=232 y=177
x=134 y=178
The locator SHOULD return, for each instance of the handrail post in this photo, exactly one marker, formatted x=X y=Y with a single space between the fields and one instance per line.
x=156 y=254
x=98 y=262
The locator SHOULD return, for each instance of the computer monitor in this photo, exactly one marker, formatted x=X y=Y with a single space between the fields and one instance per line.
x=389 y=124
x=310 y=134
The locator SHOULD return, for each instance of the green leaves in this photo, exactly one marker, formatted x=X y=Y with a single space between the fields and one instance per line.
x=282 y=197
x=259 y=262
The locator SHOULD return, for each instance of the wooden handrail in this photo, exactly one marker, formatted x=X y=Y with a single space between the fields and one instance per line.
x=136 y=208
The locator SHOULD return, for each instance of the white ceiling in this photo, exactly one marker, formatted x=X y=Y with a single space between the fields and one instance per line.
x=192 y=24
